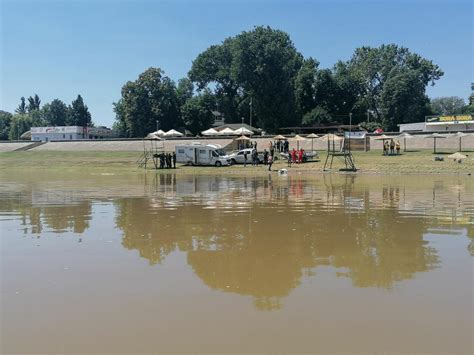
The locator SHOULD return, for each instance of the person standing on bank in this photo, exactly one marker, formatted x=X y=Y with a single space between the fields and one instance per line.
x=174 y=160
x=245 y=158
x=265 y=157
x=270 y=162
x=392 y=147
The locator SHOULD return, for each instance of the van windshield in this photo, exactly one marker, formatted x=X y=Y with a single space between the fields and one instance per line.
x=221 y=152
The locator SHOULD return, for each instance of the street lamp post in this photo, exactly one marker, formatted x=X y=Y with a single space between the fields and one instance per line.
x=350 y=130
x=250 y=112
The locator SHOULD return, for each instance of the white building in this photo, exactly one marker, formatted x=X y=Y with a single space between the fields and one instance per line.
x=67 y=133
x=453 y=123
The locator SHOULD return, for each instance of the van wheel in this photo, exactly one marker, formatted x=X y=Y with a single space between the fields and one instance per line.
x=189 y=163
x=233 y=161
x=218 y=163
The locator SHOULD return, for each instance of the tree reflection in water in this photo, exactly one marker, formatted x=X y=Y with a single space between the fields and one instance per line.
x=257 y=237
x=260 y=236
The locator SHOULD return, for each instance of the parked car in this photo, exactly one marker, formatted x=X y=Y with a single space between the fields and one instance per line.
x=238 y=157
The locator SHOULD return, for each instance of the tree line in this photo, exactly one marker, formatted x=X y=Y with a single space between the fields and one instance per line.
x=261 y=73
x=30 y=113
x=261 y=70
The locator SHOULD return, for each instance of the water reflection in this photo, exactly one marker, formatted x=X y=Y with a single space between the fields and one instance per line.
x=261 y=236
x=283 y=233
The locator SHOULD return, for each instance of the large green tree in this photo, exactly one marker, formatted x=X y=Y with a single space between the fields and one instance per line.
x=403 y=99
x=197 y=112
x=5 y=122
x=266 y=63
x=149 y=100
x=260 y=65
x=449 y=105
x=34 y=103
x=21 y=109
x=215 y=66
x=375 y=67
x=184 y=90
x=55 y=113
x=20 y=123
x=305 y=86
x=79 y=114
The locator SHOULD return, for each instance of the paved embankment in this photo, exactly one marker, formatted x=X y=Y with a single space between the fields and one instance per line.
x=12 y=146
x=417 y=142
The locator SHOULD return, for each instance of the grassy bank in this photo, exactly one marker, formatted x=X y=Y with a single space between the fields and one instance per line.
x=125 y=163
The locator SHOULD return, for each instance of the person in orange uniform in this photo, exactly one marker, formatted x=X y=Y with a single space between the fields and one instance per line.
x=293 y=155
x=300 y=156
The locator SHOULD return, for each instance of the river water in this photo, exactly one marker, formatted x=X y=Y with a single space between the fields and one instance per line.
x=166 y=263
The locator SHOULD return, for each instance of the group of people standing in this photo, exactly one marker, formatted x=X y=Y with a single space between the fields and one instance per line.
x=255 y=160
x=281 y=146
x=390 y=147
x=167 y=160
x=246 y=145
x=295 y=156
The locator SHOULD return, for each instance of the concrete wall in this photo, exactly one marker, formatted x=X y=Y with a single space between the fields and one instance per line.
x=11 y=146
x=418 y=142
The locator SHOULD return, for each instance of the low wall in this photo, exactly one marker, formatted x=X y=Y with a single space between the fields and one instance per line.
x=11 y=146
x=415 y=143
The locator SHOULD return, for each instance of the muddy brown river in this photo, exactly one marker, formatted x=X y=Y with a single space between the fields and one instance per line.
x=166 y=263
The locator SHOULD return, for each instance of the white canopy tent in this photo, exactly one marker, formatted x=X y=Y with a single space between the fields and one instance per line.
x=153 y=136
x=243 y=131
x=210 y=132
x=228 y=132
x=173 y=133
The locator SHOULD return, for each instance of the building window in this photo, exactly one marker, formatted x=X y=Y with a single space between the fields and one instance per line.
x=64 y=136
x=70 y=136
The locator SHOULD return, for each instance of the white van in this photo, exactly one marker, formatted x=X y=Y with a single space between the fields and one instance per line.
x=198 y=154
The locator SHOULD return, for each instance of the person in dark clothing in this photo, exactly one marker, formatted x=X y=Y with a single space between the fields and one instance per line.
x=265 y=157
x=245 y=158
x=270 y=162
x=174 y=160
x=162 y=161
x=255 y=157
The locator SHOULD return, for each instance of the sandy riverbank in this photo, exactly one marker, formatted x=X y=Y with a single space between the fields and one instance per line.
x=51 y=162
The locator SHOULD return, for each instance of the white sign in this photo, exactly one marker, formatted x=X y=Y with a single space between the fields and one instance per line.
x=61 y=129
x=355 y=135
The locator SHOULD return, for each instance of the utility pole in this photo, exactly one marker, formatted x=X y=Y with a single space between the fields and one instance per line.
x=350 y=130
x=250 y=111
x=368 y=116
x=157 y=125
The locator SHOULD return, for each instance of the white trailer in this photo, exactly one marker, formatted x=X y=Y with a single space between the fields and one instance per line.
x=198 y=154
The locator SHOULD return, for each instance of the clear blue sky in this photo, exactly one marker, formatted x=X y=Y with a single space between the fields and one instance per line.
x=59 y=49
